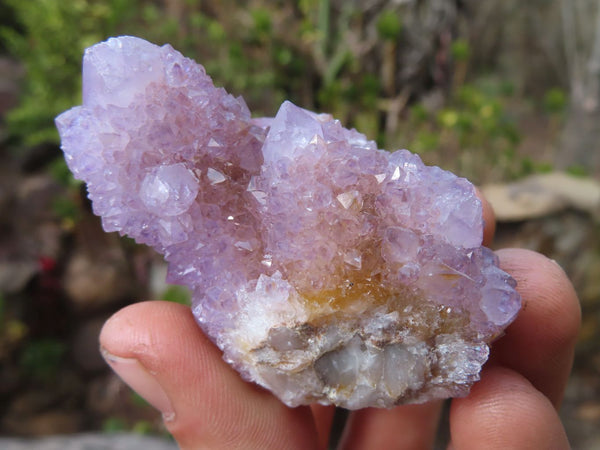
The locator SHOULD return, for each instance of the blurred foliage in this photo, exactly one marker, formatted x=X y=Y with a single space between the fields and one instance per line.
x=578 y=170
x=114 y=425
x=125 y=423
x=177 y=294
x=41 y=359
x=142 y=427
x=54 y=34
x=66 y=206
x=372 y=66
x=474 y=130
x=67 y=209
x=138 y=400
x=12 y=330
x=60 y=172
x=555 y=100
x=267 y=51
x=389 y=25
x=460 y=50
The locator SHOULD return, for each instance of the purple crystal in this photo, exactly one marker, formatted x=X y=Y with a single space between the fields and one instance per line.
x=325 y=269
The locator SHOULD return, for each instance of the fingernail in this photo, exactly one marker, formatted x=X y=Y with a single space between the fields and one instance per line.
x=142 y=381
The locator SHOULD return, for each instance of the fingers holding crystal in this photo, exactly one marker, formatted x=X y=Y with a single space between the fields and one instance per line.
x=538 y=349
x=158 y=349
x=504 y=411
x=540 y=343
x=323 y=417
x=404 y=427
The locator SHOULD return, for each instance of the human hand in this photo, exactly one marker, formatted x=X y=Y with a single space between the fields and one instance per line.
x=159 y=350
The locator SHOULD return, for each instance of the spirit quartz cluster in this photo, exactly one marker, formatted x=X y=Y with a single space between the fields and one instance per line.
x=326 y=270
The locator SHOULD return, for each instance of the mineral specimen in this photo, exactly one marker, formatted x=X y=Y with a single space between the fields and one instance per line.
x=325 y=269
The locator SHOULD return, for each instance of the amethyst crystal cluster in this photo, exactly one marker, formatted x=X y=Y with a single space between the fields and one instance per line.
x=325 y=269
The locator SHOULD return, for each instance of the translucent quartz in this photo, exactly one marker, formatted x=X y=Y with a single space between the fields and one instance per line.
x=325 y=269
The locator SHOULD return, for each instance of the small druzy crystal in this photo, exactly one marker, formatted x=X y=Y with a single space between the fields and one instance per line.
x=325 y=269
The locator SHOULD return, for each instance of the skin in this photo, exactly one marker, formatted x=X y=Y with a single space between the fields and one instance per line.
x=159 y=350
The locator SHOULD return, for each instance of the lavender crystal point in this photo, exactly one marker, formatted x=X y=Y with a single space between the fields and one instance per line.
x=325 y=269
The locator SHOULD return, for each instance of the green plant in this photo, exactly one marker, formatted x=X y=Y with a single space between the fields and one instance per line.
x=555 y=100
x=460 y=50
x=142 y=427
x=54 y=34
x=262 y=25
x=114 y=425
x=49 y=38
x=60 y=172
x=66 y=209
x=41 y=358
x=425 y=141
x=389 y=25
x=337 y=57
x=177 y=294
x=138 y=400
x=473 y=134
x=578 y=170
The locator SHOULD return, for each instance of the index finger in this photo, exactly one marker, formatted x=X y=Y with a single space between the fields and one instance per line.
x=540 y=343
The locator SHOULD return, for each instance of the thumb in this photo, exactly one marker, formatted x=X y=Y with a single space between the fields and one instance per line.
x=160 y=352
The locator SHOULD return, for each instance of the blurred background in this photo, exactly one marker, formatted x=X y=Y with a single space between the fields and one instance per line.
x=504 y=92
